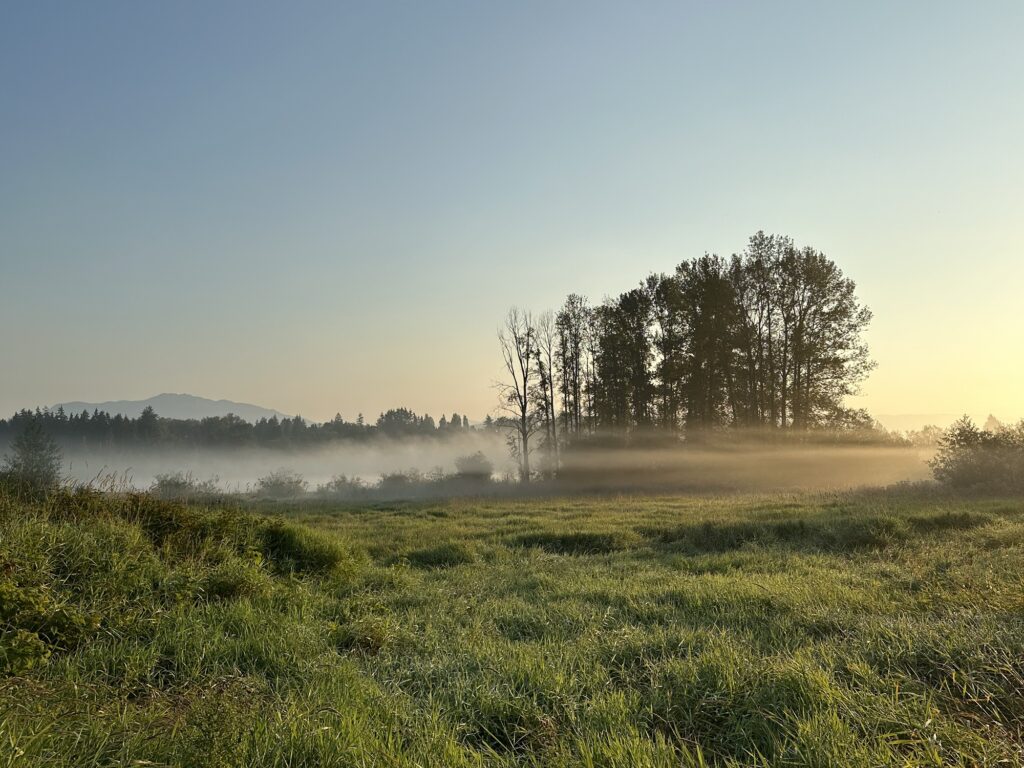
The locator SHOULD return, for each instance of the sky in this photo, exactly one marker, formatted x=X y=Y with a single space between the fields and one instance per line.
x=328 y=207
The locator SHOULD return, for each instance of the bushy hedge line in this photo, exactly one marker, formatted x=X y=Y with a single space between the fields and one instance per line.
x=969 y=457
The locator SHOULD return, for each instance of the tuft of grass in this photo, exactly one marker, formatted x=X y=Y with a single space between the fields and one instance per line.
x=304 y=550
x=577 y=542
x=235 y=578
x=442 y=556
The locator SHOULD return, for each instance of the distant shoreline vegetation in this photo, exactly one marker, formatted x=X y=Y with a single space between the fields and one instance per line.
x=104 y=430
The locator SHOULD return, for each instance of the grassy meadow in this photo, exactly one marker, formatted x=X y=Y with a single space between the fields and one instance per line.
x=828 y=629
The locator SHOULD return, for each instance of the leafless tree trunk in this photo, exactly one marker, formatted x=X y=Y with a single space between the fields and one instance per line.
x=518 y=341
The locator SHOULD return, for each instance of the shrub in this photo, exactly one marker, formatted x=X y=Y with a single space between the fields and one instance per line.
x=476 y=466
x=33 y=622
x=400 y=481
x=34 y=465
x=20 y=650
x=281 y=484
x=342 y=487
x=969 y=457
x=184 y=486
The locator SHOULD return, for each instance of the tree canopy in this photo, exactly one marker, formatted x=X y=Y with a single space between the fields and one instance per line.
x=768 y=339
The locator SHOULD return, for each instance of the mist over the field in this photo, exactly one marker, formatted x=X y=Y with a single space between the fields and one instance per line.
x=745 y=467
x=741 y=467
x=238 y=468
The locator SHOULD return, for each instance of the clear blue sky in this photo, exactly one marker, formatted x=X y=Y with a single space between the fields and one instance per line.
x=327 y=207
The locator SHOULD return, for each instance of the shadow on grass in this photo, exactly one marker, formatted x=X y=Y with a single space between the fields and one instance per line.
x=834 y=534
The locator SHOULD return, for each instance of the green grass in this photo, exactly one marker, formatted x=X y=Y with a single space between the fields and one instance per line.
x=881 y=628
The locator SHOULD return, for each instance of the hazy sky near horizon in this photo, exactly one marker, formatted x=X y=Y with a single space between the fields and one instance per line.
x=324 y=207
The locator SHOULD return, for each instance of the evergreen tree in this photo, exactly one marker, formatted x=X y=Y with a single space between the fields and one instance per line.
x=34 y=464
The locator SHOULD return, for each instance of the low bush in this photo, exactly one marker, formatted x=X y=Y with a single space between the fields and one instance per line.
x=342 y=487
x=400 y=482
x=969 y=457
x=476 y=466
x=281 y=484
x=183 y=486
x=34 y=622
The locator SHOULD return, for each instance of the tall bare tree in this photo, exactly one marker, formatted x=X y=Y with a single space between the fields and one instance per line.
x=546 y=335
x=518 y=341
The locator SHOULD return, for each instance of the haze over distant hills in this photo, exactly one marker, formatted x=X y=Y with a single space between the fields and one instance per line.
x=176 y=406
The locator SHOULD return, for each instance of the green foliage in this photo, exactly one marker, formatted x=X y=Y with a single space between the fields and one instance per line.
x=33 y=466
x=281 y=484
x=149 y=429
x=20 y=650
x=342 y=487
x=183 y=486
x=475 y=466
x=969 y=457
x=769 y=339
x=33 y=622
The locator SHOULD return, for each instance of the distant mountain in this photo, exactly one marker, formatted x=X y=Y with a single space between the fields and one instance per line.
x=174 y=406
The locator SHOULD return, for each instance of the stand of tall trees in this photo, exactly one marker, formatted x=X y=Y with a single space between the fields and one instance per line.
x=770 y=339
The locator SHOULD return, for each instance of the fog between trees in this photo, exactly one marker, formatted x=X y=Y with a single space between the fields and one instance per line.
x=770 y=339
x=729 y=373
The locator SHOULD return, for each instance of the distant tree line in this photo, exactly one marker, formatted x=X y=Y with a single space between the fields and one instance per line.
x=100 y=429
x=770 y=339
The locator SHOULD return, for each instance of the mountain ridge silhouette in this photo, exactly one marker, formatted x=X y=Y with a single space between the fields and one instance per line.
x=173 y=405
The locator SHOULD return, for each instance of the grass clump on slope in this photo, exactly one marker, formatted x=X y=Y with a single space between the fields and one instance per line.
x=135 y=630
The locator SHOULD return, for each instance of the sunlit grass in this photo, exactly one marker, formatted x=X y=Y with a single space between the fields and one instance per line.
x=864 y=629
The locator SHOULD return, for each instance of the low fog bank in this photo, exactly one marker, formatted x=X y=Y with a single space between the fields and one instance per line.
x=745 y=468
x=424 y=466
x=238 y=469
